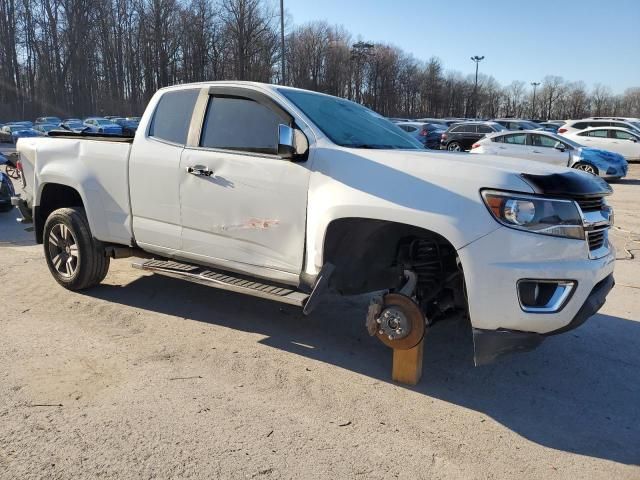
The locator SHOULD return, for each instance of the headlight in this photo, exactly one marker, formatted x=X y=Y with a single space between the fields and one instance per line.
x=559 y=218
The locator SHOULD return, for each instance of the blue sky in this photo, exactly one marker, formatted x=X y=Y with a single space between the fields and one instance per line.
x=596 y=41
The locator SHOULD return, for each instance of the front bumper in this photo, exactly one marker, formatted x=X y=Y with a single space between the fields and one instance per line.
x=493 y=265
x=491 y=344
x=618 y=171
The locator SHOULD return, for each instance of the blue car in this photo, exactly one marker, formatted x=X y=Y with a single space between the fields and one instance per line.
x=6 y=189
x=49 y=120
x=11 y=133
x=102 y=125
x=129 y=125
x=429 y=134
x=549 y=127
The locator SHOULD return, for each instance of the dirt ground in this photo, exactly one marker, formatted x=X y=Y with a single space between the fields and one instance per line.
x=149 y=377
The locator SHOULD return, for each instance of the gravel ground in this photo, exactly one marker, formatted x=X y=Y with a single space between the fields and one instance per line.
x=148 y=377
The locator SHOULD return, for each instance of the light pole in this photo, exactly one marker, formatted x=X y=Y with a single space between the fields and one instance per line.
x=533 y=106
x=476 y=59
x=282 y=39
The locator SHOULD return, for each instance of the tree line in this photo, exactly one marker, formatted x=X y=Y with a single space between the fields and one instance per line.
x=81 y=57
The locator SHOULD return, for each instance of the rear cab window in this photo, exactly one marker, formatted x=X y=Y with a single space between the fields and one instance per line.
x=172 y=117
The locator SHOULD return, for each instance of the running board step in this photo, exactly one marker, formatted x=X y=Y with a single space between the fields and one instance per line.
x=223 y=281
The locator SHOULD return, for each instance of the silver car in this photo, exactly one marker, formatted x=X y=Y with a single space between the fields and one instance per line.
x=553 y=149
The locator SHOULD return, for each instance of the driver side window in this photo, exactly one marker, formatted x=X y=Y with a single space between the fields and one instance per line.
x=236 y=123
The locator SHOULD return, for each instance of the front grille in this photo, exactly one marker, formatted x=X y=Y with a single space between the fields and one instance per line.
x=591 y=204
x=597 y=238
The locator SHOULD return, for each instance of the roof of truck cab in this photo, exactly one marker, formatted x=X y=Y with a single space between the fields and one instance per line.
x=242 y=83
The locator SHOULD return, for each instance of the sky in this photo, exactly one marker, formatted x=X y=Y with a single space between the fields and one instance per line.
x=596 y=41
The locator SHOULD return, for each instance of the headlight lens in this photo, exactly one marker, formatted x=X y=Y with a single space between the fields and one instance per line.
x=559 y=218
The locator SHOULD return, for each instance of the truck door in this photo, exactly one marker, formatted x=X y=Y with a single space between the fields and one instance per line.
x=242 y=206
x=154 y=169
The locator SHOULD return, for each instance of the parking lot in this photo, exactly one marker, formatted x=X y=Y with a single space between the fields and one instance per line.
x=150 y=377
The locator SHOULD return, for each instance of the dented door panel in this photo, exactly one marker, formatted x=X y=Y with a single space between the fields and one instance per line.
x=251 y=209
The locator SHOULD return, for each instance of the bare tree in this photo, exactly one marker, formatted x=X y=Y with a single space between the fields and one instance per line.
x=80 y=57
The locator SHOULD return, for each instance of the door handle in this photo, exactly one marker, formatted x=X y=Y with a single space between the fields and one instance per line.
x=200 y=171
x=537 y=151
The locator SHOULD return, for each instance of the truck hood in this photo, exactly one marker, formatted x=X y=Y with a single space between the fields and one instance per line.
x=447 y=168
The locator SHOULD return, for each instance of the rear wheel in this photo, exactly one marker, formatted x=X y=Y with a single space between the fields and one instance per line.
x=454 y=147
x=12 y=172
x=75 y=259
x=586 y=167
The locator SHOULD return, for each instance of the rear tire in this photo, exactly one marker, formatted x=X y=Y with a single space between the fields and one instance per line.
x=454 y=147
x=75 y=259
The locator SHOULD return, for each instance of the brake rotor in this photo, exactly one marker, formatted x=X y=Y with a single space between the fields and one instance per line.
x=401 y=323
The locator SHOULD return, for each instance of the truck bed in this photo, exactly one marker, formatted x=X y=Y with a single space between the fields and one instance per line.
x=100 y=170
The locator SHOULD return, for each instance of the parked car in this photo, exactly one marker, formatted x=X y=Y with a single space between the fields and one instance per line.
x=573 y=126
x=633 y=120
x=73 y=125
x=129 y=127
x=44 y=128
x=445 y=122
x=287 y=194
x=516 y=124
x=428 y=134
x=50 y=120
x=461 y=136
x=555 y=150
x=24 y=123
x=102 y=125
x=624 y=141
x=549 y=127
x=6 y=190
x=11 y=133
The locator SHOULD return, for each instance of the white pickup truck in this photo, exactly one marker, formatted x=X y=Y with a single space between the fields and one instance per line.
x=288 y=194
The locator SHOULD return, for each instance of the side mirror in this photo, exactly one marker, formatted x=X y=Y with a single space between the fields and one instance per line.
x=291 y=142
x=560 y=146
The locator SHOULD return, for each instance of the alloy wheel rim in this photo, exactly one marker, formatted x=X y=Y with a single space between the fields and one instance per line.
x=63 y=250
x=454 y=148
x=587 y=168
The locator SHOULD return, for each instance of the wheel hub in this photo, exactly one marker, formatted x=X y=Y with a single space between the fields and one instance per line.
x=393 y=324
x=396 y=320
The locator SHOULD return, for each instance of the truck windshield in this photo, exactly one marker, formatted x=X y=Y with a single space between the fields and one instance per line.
x=349 y=124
